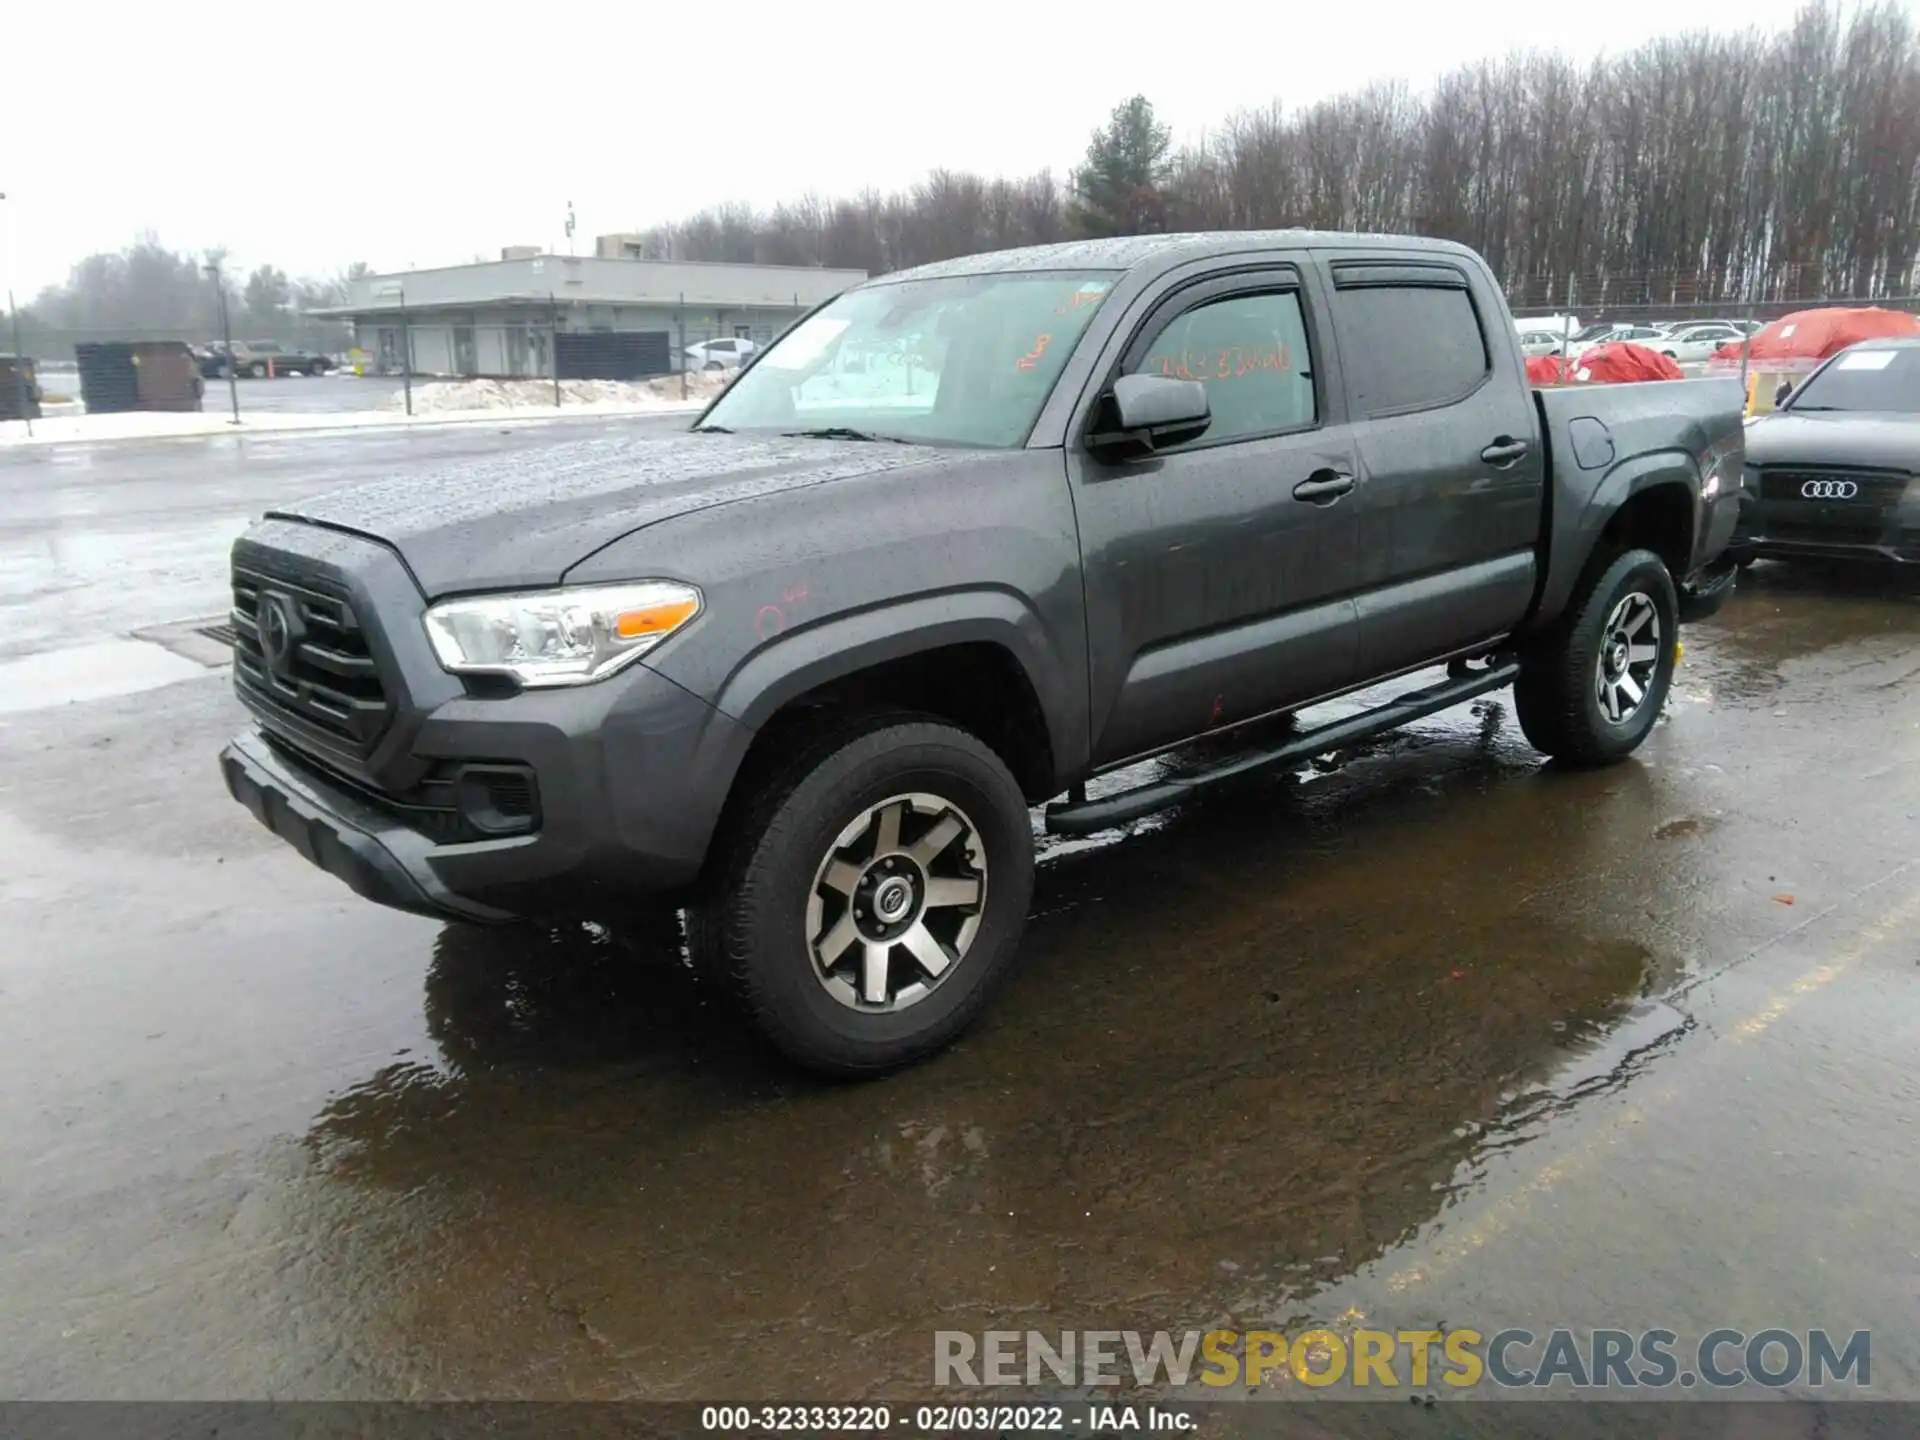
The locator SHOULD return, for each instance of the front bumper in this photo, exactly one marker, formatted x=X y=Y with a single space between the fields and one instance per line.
x=348 y=838
x=1903 y=550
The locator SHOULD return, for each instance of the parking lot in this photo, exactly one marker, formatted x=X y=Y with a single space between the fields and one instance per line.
x=1423 y=1034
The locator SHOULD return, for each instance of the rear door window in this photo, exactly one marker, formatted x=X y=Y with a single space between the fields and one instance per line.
x=1409 y=346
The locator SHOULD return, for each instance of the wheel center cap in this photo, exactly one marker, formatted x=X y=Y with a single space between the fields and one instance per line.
x=1617 y=658
x=892 y=898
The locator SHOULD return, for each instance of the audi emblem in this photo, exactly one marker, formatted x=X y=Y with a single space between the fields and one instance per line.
x=1829 y=490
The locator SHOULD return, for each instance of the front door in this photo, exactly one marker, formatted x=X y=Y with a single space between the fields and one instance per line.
x=1218 y=574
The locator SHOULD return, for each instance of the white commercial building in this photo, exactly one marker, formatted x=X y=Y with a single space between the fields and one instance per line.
x=619 y=318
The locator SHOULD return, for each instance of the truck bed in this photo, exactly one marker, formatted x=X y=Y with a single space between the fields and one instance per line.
x=1605 y=442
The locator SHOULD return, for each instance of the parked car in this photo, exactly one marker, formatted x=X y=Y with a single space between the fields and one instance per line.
x=728 y=354
x=1829 y=471
x=259 y=359
x=1690 y=344
x=1606 y=334
x=1541 y=342
x=805 y=670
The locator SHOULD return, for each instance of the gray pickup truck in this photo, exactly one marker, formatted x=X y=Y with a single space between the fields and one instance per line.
x=963 y=538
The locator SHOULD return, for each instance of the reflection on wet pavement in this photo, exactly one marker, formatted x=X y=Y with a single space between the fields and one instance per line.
x=1434 y=1034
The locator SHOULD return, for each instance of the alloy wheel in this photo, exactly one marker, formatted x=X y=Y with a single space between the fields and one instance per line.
x=1629 y=657
x=896 y=902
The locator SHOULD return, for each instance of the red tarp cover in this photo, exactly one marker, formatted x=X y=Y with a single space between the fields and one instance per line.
x=1621 y=360
x=1546 y=370
x=1816 y=334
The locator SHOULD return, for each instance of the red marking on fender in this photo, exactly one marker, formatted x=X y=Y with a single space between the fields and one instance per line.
x=1218 y=707
x=769 y=620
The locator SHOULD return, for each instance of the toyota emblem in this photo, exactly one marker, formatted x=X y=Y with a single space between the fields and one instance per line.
x=1829 y=490
x=276 y=625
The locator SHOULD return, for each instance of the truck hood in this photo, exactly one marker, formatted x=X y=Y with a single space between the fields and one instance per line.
x=1836 y=437
x=524 y=519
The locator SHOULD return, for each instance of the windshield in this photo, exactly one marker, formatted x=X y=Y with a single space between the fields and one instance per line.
x=1594 y=332
x=1884 y=380
x=967 y=360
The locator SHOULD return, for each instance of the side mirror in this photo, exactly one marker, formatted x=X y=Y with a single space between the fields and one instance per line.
x=1145 y=412
x=1780 y=395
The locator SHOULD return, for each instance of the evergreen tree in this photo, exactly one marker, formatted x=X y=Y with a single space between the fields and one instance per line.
x=1119 y=188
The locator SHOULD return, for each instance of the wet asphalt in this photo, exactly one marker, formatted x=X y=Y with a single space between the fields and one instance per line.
x=1426 y=1033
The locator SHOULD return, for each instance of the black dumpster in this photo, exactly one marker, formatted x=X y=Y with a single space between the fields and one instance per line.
x=117 y=375
x=19 y=389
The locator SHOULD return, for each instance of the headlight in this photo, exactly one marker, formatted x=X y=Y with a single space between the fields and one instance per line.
x=558 y=637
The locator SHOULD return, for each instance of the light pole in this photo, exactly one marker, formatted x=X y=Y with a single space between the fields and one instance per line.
x=398 y=289
x=226 y=338
x=20 y=359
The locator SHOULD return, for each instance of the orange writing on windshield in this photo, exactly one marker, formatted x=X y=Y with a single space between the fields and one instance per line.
x=1078 y=299
x=1032 y=357
x=1231 y=363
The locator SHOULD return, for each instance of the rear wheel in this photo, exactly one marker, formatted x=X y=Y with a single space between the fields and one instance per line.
x=257 y=370
x=870 y=892
x=1591 y=689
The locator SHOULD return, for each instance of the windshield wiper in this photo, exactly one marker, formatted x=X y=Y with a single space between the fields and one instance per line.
x=1813 y=407
x=842 y=432
x=711 y=430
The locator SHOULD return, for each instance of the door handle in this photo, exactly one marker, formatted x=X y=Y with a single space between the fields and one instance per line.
x=1504 y=451
x=1323 y=487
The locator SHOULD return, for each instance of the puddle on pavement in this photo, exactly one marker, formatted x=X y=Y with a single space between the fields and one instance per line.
x=1233 y=1067
x=1805 y=623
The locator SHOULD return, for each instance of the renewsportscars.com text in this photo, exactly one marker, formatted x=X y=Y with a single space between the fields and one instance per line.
x=1387 y=1359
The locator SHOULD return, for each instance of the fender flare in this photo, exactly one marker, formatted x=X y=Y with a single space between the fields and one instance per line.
x=792 y=663
x=1572 y=546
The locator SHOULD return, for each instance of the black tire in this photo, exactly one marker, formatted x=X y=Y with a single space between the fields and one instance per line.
x=257 y=370
x=749 y=923
x=1557 y=696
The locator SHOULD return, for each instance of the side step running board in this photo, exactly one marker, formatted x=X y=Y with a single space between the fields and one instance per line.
x=1086 y=816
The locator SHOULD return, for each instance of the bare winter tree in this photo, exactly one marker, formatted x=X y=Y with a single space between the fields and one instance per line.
x=1698 y=169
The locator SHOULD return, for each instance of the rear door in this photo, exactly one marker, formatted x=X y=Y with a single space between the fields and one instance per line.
x=1218 y=574
x=1452 y=481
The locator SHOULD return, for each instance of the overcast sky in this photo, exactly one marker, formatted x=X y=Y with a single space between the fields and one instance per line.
x=414 y=133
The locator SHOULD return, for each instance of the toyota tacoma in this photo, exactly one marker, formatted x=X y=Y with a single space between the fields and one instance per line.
x=805 y=668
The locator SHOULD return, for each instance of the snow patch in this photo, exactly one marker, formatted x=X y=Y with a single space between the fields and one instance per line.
x=160 y=425
x=443 y=397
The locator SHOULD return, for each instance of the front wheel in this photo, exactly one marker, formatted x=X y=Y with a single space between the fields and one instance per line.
x=1591 y=688
x=257 y=371
x=870 y=892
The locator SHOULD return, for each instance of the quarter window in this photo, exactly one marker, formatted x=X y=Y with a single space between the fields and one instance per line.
x=1250 y=351
x=1410 y=347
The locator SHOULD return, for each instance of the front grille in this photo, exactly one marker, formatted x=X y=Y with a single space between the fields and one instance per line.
x=326 y=681
x=1862 y=518
x=1879 y=490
